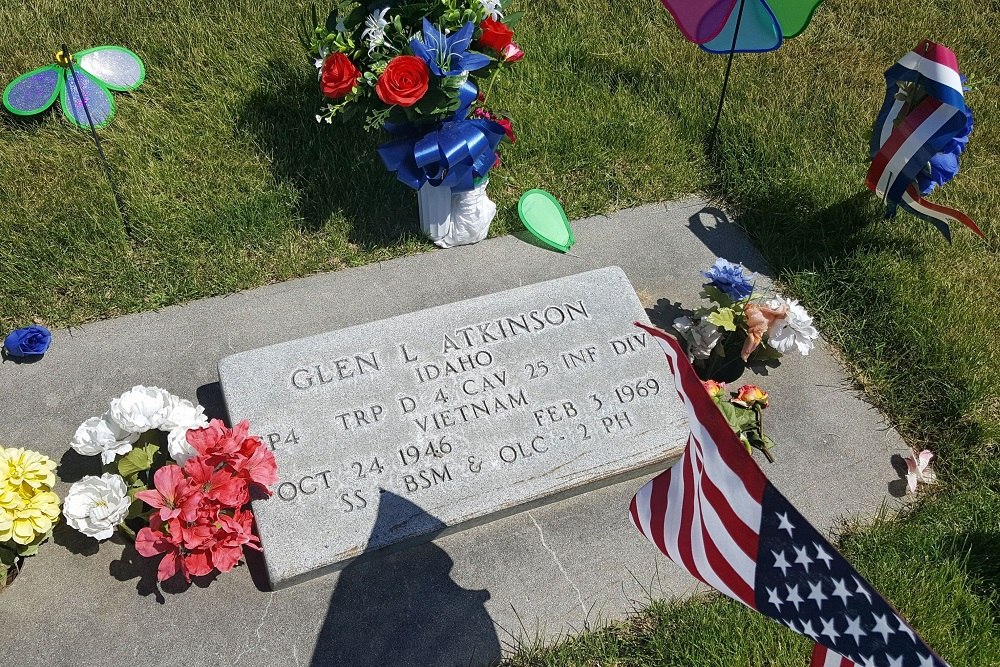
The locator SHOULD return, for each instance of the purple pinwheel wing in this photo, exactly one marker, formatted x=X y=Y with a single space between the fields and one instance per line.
x=700 y=20
x=759 y=30
x=99 y=102
x=33 y=92
x=116 y=67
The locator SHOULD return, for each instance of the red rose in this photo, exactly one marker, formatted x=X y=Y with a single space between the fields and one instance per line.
x=339 y=76
x=496 y=35
x=508 y=128
x=404 y=81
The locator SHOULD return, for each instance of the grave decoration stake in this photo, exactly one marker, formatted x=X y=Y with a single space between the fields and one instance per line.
x=422 y=75
x=739 y=26
x=83 y=83
x=717 y=516
x=544 y=217
x=919 y=134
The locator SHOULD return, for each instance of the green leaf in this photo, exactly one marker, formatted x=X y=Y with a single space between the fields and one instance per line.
x=713 y=293
x=512 y=19
x=134 y=462
x=723 y=318
x=134 y=510
x=7 y=556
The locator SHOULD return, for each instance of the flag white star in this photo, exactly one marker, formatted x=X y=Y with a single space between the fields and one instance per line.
x=829 y=629
x=854 y=629
x=793 y=596
x=816 y=594
x=863 y=590
x=774 y=598
x=882 y=627
x=894 y=662
x=780 y=562
x=867 y=661
x=903 y=627
x=785 y=524
x=840 y=590
x=807 y=629
x=926 y=661
x=822 y=555
x=802 y=557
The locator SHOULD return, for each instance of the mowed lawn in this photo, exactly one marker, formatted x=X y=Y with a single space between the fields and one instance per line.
x=230 y=184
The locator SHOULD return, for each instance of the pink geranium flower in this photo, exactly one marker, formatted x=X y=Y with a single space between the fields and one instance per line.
x=161 y=537
x=259 y=469
x=217 y=484
x=172 y=494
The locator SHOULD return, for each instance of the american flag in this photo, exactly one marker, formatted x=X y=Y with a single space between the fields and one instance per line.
x=715 y=514
x=906 y=135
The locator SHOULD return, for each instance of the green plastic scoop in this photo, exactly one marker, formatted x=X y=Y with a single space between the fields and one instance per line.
x=544 y=217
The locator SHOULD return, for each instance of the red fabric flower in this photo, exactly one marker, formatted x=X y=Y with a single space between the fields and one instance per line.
x=512 y=53
x=339 y=76
x=259 y=469
x=218 y=485
x=172 y=494
x=495 y=35
x=508 y=128
x=404 y=81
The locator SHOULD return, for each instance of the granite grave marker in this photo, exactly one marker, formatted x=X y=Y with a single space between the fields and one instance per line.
x=470 y=411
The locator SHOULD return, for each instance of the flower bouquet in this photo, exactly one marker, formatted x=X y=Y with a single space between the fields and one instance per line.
x=174 y=482
x=422 y=73
x=742 y=325
x=744 y=412
x=29 y=510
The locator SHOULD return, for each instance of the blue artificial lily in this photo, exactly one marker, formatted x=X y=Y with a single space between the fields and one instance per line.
x=448 y=56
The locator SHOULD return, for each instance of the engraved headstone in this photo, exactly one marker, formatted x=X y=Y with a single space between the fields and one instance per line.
x=469 y=411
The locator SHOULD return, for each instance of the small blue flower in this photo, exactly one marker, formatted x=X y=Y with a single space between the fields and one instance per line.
x=944 y=166
x=729 y=278
x=31 y=341
x=448 y=56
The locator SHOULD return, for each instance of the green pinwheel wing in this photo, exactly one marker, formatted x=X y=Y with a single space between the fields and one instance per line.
x=793 y=15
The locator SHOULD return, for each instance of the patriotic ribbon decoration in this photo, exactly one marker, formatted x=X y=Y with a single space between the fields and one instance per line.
x=454 y=153
x=716 y=515
x=924 y=115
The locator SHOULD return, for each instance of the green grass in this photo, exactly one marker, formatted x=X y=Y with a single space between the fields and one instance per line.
x=231 y=184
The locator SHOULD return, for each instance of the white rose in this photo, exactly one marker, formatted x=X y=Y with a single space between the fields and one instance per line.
x=102 y=435
x=794 y=330
x=141 y=409
x=96 y=505
x=182 y=412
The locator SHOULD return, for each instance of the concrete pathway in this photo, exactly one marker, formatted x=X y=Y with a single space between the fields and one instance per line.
x=466 y=598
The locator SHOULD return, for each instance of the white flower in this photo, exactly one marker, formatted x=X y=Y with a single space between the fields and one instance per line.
x=96 y=505
x=183 y=416
x=701 y=337
x=794 y=330
x=102 y=435
x=492 y=8
x=141 y=408
x=374 y=31
x=918 y=469
x=183 y=412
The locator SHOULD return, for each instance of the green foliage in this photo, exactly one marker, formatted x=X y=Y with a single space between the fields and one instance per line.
x=723 y=317
x=139 y=460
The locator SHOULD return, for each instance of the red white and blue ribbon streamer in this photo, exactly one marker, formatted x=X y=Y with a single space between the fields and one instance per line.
x=907 y=136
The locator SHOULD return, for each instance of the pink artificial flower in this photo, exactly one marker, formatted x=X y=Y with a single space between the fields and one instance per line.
x=234 y=533
x=219 y=485
x=918 y=469
x=152 y=540
x=511 y=53
x=508 y=128
x=217 y=443
x=259 y=470
x=172 y=494
x=759 y=319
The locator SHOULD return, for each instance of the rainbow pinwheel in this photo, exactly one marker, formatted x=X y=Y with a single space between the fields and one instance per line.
x=82 y=81
x=759 y=25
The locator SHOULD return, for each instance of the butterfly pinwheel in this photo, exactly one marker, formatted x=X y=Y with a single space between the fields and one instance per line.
x=758 y=25
x=83 y=81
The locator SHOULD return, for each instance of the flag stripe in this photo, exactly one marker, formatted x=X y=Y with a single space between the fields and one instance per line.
x=824 y=657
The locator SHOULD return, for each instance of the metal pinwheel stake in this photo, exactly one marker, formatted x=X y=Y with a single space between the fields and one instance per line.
x=83 y=83
x=739 y=26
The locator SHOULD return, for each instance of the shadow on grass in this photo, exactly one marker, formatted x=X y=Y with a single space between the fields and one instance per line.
x=333 y=169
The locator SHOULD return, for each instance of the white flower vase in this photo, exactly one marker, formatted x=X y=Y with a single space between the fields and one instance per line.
x=455 y=218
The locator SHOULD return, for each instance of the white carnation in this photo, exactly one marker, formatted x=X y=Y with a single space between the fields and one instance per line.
x=182 y=412
x=96 y=505
x=701 y=337
x=141 y=409
x=794 y=330
x=102 y=435
x=177 y=445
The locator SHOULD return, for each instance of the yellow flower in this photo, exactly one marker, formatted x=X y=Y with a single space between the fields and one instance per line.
x=35 y=517
x=25 y=471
